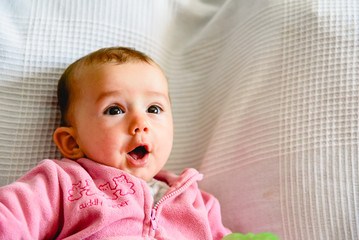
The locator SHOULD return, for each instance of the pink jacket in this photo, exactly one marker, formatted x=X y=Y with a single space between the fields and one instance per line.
x=83 y=199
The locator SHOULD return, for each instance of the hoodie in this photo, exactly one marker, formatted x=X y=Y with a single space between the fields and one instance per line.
x=66 y=199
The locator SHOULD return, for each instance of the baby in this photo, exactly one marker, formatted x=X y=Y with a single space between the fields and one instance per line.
x=116 y=135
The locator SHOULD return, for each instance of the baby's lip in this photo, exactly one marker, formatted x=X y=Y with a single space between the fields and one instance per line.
x=139 y=152
x=139 y=156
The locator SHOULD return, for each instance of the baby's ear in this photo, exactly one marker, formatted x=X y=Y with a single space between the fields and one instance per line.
x=64 y=138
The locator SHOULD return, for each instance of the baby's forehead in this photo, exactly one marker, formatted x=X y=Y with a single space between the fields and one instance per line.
x=102 y=66
x=84 y=73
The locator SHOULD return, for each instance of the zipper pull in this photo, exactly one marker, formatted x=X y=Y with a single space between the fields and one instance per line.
x=153 y=219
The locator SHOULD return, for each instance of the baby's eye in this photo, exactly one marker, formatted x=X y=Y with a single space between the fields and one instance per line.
x=113 y=110
x=154 y=109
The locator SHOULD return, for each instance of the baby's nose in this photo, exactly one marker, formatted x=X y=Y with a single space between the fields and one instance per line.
x=138 y=125
x=140 y=129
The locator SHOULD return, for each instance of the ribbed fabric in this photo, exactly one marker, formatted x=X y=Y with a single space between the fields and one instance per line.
x=264 y=95
x=319 y=121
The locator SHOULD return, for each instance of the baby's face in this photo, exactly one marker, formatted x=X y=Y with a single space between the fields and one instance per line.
x=122 y=117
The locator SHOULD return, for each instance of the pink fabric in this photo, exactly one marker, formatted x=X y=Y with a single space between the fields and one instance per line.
x=83 y=199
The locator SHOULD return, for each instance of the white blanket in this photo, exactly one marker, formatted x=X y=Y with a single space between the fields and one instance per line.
x=264 y=92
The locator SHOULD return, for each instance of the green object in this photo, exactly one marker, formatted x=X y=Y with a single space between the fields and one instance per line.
x=251 y=236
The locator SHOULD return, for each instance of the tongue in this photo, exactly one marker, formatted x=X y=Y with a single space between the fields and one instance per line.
x=138 y=153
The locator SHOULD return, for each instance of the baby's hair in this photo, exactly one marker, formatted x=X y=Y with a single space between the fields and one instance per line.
x=119 y=55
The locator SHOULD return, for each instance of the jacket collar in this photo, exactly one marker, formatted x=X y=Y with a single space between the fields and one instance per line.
x=175 y=181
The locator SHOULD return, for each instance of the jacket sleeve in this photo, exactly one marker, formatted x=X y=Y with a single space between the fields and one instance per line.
x=29 y=207
x=214 y=216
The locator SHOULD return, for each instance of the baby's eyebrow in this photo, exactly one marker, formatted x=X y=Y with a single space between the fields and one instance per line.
x=158 y=94
x=149 y=93
x=107 y=94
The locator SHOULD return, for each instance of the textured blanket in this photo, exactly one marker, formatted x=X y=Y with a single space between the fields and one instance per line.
x=264 y=93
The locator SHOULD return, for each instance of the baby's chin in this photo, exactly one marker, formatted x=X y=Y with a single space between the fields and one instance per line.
x=144 y=175
x=146 y=179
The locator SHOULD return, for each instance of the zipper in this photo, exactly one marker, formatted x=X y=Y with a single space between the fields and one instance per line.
x=165 y=198
x=153 y=220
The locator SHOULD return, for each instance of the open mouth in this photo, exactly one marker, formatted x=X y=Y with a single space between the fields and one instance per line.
x=138 y=153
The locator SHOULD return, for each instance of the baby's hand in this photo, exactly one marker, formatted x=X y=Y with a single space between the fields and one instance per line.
x=251 y=236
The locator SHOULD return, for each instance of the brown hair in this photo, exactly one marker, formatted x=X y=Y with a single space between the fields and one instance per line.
x=118 y=55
